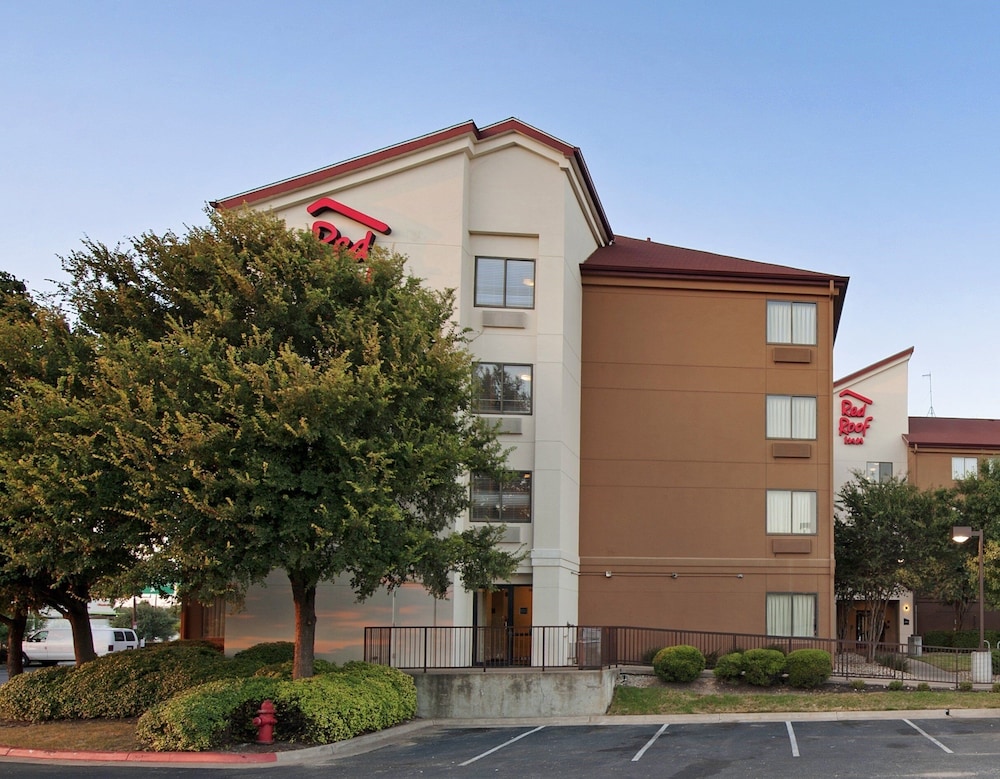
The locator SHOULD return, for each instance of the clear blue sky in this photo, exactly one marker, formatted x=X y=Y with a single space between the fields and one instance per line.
x=854 y=138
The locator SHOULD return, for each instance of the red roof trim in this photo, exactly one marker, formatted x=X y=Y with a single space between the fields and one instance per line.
x=348 y=166
x=511 y=125
x=874 y=367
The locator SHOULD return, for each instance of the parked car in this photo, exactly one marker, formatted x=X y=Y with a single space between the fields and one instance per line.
x=49 y=646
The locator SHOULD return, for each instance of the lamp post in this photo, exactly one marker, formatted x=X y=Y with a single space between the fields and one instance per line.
x=961 y=535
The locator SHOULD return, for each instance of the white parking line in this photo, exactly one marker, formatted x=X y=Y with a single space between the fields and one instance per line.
x=641 y=752
x=498 y=748
x=928 y=736
x=791 y=738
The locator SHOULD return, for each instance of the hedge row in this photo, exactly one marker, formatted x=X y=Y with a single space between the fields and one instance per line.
x=761 y=667
x=358 y=698
x=121 y=684
x=805 y=668
x=191 y=697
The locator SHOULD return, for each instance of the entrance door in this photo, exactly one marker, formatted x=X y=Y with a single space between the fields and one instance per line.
x=503 y=626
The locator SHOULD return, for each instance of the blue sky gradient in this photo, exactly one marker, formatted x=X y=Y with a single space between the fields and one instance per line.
x=857 y=138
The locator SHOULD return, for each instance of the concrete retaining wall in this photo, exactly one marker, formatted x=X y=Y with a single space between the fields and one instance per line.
x=470 y=694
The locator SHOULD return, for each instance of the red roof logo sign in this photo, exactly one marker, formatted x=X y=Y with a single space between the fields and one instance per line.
x=854 y=417
x=327 y=232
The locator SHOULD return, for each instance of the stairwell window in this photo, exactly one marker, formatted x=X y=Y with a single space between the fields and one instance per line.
x=505 y=283
x=878 y=472
x=503 y=388
x=791 y=416
x=791 y=512
x=791 y=323
x=507 y=499
x=791 y=614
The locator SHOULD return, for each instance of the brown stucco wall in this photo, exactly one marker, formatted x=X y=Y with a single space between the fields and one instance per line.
x=676 y=463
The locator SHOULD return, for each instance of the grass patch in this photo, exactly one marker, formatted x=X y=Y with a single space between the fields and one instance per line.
x=101 y=735
x=660 y=700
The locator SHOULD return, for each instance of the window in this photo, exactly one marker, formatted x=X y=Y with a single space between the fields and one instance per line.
x=505 y=283
x=791 y=417
x=791 y=323
x=878 y=471
x=791 y=511
x=503 y=388
x=501 y=500
x=791 y=614
x=964 y=467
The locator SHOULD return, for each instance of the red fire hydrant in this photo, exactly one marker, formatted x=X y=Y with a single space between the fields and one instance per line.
x=265 y=722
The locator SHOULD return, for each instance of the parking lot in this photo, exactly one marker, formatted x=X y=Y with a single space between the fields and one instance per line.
x=898 y=746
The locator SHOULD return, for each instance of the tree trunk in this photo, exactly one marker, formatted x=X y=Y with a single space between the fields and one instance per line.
x=304 y=595
x=17 y=625
x=83 y=637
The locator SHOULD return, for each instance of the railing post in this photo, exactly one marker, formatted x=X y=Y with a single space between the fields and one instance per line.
x=425 y=649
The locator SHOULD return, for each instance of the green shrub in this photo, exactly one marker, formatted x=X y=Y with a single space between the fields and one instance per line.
x=923 y=687
x=346 y=702
x=808 y=667
x=284 y=670
x=681 y=663
x=893 y=660
x=34 y=697
x=729 y=668
x=711 y=659
x=121 y=684
x=762 y=667
x=267 y=653
x=126 y=684
x=965 y=685
x=995 y=661
x=895 y=685
x=938 y=638
x=649 y=654
x=995 y=687
x=858 y=684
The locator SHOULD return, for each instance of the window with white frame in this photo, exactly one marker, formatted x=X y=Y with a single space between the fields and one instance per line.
x=791 y=323
x=791 y=614
x=964 y=467
x=791 y=416
x=878 y=471
x=503 y=388
x=791 y=511
x=506 y=499
x=505 y=283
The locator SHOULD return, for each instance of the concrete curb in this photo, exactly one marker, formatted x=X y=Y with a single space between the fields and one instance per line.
x=357 y=745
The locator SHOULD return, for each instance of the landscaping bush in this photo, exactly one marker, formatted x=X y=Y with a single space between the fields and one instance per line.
x=959 y=639
x=808 y=668
x=729 y=668
x=680 y=663
x=346 y=702
x=895 y=685
x=649 y=654
x=995 y=661
x=763 y=667
x=267 y=653
x=121 y=684
x=33 y=697
x=896 y=662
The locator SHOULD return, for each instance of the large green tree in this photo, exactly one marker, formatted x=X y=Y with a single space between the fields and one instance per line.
x=289 y=408
x=977 y=505
x=887 y=539
x=64 y=534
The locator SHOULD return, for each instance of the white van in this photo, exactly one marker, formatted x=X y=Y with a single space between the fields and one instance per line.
x=49 y=646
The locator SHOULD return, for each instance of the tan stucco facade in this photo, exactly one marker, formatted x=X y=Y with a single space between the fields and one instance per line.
x=676 y=460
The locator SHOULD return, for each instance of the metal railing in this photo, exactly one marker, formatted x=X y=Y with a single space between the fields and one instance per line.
x=573 y=646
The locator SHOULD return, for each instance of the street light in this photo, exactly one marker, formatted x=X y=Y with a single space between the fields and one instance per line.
x=961 y=535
